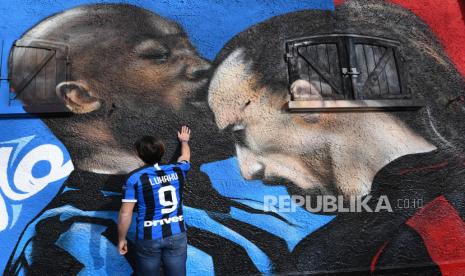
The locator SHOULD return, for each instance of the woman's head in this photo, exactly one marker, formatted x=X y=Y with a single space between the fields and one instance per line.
x=150 y=149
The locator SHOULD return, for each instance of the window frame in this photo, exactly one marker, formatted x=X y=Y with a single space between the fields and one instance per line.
x=59 y=52
x=347 y=58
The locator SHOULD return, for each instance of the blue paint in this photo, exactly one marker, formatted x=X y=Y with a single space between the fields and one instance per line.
x=292 y=227
x=201 y=220
x=41 y=169
x=20 y=144
x=16 y=208
x=226 y=174
x=292 y=234
x=108 y=193
x=199 y=262
x=69 y=189
x=24 y=135
x=64 y=213
x=99 y=256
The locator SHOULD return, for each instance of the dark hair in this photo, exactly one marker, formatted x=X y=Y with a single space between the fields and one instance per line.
x=150 y=149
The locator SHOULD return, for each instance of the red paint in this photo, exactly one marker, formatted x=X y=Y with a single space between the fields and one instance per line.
x=424 y=168
x=446 y=19
x=374 y=261
x=443 y=233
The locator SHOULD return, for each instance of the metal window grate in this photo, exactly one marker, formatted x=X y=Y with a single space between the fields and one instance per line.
x=319 y=64
x=36 y=67
x=349 y=72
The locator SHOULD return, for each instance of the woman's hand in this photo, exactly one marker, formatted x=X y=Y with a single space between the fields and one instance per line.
x=123 y=247
x=185 y=134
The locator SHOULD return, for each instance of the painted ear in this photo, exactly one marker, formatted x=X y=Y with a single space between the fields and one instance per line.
x=303 y=90
x=77 y=97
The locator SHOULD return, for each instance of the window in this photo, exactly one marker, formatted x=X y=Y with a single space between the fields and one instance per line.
x=36 y=67
x=347 y=72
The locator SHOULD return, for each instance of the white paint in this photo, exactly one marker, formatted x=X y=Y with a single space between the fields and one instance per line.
x=25 y=185
x=3 y=214
x=433 y=127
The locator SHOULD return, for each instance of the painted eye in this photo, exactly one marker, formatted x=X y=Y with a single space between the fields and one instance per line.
x=156 y=56
x=153 y=50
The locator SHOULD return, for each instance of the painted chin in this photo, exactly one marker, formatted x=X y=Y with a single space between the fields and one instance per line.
x=298 y=185
x=275 y=169
x=296 y=178
x=258 y=171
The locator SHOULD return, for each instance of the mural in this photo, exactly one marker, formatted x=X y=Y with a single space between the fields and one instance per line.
x=356 y=147
x=288 y=101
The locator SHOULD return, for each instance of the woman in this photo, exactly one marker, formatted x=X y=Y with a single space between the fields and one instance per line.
x=157 y=189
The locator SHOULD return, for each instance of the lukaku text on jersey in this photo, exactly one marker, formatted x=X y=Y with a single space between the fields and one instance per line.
x=157 y=190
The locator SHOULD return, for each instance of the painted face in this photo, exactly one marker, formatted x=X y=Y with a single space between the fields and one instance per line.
x=125 y=55
x=271 y=144
x=141 y=63
x=150 y=82
x=335 y=153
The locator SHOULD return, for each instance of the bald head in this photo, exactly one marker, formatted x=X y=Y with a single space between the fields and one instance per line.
x=122 y=70
x=109 y=47
x=77 y=26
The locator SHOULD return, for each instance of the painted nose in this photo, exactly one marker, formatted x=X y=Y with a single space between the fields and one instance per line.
x=249 y=164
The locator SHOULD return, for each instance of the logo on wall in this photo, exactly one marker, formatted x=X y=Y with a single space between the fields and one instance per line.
x=23 y=174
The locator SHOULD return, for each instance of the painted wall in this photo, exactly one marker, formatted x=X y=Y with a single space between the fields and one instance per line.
x=147 y=67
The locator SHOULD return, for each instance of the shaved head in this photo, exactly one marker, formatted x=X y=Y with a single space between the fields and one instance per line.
x=130 y=72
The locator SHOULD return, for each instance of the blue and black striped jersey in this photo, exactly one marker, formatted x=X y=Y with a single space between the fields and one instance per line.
x=157 y=190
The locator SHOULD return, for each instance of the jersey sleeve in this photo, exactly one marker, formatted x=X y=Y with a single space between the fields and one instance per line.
x=184 y=165
x=129 y=190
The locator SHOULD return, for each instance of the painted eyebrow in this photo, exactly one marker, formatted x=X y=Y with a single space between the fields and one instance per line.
x=169 y=41
x=149 y=44
x=147 y=36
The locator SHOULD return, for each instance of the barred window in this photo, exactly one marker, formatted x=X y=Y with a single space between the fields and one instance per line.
x=36 y=67
x=347 y=72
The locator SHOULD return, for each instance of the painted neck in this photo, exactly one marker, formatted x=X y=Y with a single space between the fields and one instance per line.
x=383 y=139
x=108 y=160
x=92 y=145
